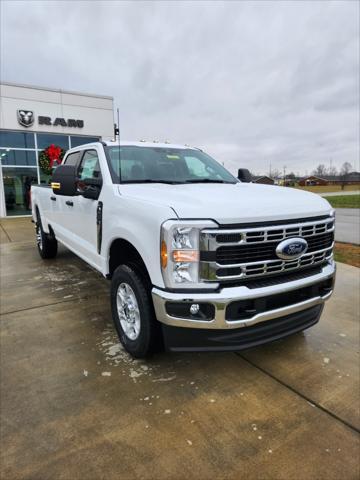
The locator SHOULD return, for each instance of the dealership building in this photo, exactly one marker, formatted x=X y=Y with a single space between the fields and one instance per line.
x=32 y=119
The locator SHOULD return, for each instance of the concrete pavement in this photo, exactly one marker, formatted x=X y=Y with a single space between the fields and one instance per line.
x=348 y=225
x=75 y=406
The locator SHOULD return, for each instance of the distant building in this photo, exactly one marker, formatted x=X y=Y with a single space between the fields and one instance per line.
x=264 y=179
x=352 y=178
x=312 y=180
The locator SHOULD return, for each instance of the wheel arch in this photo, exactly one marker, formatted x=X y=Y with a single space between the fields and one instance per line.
x=123 y=252
x=46 y=226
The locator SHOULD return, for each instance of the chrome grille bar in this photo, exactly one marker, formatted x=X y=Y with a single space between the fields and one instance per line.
x=211 y=240
x=209 y=237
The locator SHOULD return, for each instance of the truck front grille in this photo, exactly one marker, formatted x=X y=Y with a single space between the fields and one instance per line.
x=266 y=251
x=248 y=252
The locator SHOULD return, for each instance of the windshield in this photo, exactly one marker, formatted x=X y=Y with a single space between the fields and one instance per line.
x=134 y=164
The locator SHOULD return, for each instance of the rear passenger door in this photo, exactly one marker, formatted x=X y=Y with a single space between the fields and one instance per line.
x=85 y=209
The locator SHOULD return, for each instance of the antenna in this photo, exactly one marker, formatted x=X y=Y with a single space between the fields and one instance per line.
x=118 y=121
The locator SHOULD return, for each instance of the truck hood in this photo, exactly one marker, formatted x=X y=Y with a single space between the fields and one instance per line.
x=230 y=203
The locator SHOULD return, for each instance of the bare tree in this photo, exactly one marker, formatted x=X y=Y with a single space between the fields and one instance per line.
x=344 y=172
x=346 y=169
x=320 y=170
x=275 y=173
x=332 y=171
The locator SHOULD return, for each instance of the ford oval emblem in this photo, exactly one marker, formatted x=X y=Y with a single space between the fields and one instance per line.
x=291 y=249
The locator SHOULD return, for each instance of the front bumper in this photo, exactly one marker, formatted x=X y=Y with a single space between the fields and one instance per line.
x=177 y=339
x=223 y=298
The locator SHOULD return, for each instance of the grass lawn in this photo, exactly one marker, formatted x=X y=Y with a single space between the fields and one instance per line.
x=344 y=201
x=347 y=253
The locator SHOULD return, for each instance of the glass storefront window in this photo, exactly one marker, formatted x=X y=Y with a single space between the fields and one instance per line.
x=76 y=141
x=18 y=161
x=44 y=140
x=17 y=157
x=44 y=178
x=16 y=139
x=17 y=184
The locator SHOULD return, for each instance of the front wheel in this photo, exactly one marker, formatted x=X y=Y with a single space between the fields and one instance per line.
x=132 y=312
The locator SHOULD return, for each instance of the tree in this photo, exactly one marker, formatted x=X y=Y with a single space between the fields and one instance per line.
x=332 y=171
x=275 y=173
x=345 y=169
x=320 y=170
x=344 y=172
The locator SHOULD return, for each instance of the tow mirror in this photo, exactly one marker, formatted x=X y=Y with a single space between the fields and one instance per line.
x=63 y=181
x=244 y=175
x=89 y=187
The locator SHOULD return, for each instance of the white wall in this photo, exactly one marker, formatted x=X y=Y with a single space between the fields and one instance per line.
x=96 y=111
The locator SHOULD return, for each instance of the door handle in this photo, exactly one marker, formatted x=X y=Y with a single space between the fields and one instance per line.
x=53 y=199
x=68 y=202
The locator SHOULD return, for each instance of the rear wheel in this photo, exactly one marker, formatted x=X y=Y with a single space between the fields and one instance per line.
x=46 y=242
x=132 y=312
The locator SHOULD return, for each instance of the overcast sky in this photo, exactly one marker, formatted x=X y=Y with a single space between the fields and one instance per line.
x=252 y=83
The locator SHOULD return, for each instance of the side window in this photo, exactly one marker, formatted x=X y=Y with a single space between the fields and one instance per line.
x=72 y=158
x=89 y=166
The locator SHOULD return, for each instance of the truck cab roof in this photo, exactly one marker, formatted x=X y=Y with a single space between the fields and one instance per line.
x=144 y=143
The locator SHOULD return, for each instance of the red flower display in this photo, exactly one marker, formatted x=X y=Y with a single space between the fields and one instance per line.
x=54 y=154
x=50 y=157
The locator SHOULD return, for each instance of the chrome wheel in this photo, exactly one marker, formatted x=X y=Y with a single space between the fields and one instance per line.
x=128 y=311
x=39 y=239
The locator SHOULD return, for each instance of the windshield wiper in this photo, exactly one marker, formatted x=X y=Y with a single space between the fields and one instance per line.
x=151 y=180
x=207 y=180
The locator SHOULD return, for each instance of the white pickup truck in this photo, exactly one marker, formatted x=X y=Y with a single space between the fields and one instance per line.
x=198 y=260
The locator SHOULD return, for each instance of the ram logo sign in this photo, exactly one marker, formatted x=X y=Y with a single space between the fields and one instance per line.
x=62 y=122
x=26 y=118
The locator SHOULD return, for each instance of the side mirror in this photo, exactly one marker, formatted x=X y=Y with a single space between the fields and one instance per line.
x=63 y=181
x=244 y=175
x=91 y=192
x=89 y=188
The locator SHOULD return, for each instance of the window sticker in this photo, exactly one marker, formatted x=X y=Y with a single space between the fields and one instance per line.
x=173 y=157
x=88 y=168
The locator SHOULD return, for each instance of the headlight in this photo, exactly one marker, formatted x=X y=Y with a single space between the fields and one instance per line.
x=180 y=252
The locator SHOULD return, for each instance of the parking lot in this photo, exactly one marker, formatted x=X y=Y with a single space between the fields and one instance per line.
x=75 y=406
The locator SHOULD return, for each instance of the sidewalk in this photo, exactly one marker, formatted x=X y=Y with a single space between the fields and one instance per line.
x=340 y=193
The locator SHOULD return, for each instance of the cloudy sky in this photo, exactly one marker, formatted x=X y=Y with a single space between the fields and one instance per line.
x=252 y=83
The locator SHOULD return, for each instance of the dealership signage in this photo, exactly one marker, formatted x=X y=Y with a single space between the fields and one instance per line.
x=26 y=118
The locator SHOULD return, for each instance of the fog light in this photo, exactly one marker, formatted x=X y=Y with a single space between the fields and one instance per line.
x=194 y=309
x=191 y=311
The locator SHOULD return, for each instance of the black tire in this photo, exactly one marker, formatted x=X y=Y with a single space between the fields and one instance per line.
x=149 y=337
x=46 y=242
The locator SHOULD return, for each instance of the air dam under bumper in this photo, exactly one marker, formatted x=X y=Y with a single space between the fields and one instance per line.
x=224 y=333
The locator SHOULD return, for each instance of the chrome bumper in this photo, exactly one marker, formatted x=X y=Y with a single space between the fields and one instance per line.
x=224 y=297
